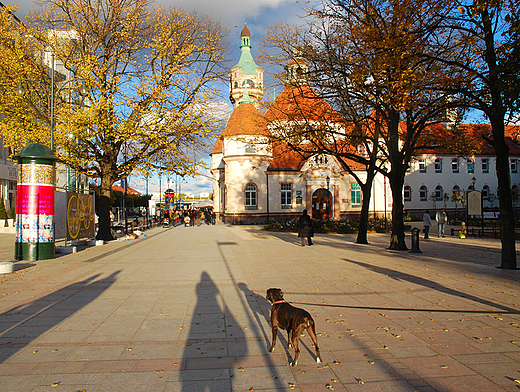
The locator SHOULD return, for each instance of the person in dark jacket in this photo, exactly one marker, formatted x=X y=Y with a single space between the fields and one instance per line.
x=305 y=228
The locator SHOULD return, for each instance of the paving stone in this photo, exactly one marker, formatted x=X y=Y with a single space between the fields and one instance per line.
x=117 y=326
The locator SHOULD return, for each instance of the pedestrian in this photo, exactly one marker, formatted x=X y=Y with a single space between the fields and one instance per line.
x=427 y=222
x=198 y=216
x=441 y=219
x=305 y=228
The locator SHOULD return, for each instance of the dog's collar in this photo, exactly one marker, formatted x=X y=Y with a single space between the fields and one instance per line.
x=278 y=302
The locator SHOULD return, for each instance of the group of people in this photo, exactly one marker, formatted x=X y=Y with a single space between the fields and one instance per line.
x=197 y=216
x=441 y=219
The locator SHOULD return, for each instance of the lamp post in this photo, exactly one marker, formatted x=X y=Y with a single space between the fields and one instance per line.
x=82 y=90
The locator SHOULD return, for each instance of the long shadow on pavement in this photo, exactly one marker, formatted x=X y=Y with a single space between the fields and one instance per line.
x=23 y=324
x=249 y=305
x=430 y=284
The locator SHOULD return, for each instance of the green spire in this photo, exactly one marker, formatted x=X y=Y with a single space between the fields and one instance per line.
x=245 y=98
x=246 y=62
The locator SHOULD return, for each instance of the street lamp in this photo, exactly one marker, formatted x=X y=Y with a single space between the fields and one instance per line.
x=328 y=182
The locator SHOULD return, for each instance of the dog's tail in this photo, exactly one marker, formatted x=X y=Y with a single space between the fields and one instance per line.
x=309 y=322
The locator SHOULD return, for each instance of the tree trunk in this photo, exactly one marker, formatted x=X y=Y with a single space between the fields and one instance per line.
x=396 y=178
x=104 y=228
x=362 y=237
x=506 y=216
x=496 y=116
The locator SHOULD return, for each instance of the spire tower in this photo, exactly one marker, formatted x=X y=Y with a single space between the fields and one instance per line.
x=246 y=77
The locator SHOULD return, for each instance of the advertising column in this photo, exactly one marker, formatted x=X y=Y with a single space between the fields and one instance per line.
x=35 y=203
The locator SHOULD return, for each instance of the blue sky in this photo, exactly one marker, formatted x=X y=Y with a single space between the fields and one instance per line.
x=259 y=14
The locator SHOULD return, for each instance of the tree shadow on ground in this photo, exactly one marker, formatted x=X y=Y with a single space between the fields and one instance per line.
x=23 y=324
x=430 y=284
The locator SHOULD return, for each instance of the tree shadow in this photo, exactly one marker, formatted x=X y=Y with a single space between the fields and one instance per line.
x=23 y=324
x=430 y=284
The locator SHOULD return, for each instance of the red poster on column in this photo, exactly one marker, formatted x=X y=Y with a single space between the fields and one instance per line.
x=35 y=200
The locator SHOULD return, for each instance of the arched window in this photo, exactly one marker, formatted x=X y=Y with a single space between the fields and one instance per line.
x=407 y=193
x=249 y=82
x=423 y=193
x=438 y=165
x=250 y=196
x=455 y=194
x=439 y=193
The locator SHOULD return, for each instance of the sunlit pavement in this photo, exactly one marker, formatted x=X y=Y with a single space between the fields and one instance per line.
x=183 y=310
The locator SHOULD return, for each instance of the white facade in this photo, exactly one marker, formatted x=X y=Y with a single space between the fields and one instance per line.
x=452 y=173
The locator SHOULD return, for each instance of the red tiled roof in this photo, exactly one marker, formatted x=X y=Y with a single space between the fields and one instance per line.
x=285 y=158
x=474 y=139
x=300 y=103
x=120 y=189
x=217 y=148
x=246 y=120
x=297 y=61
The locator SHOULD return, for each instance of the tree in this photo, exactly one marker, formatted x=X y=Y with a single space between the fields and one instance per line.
x=305 y=123
x=480 y=38
x=149 y=77
x=365 y=56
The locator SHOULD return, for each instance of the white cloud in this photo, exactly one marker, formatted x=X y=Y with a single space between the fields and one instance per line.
x=229 y=12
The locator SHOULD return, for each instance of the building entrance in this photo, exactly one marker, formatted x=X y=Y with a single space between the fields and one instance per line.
x=321 y=204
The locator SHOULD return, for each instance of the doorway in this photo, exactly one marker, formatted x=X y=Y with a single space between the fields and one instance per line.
x=321 y=204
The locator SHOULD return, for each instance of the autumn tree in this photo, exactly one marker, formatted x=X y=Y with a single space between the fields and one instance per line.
x=366 y=64
x=481 y=39
x=311 y=127
x=148 y=77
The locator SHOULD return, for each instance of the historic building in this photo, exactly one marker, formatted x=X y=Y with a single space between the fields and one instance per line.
x=255 y=179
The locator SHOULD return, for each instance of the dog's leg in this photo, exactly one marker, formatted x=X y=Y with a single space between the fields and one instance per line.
x=295 y=340
x=312 y=333
x=273 y=341
x=289 y=344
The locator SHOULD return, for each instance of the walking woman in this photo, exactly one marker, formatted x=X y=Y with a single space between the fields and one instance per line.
x=305 y=228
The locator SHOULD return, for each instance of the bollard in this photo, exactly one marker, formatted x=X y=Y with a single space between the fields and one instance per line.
x=415 y=241
x=35 y=203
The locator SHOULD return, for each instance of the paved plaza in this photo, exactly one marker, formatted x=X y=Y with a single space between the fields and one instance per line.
x=184 y=310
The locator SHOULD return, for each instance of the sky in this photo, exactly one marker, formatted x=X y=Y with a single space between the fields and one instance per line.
x=259 y=15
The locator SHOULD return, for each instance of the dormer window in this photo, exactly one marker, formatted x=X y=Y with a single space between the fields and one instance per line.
x=321 y=160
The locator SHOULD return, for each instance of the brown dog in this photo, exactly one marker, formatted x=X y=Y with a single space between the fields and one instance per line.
x=293 y=320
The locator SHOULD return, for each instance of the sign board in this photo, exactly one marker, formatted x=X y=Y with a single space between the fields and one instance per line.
x=80 y=216
x=475 y=203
